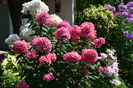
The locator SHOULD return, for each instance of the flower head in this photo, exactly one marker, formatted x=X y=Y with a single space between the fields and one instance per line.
x=55 y=19
x=22 y=85
x=122 y=7
x=89 y=56
x=49 y=58
x=2 y=56
x=42 y=44
x=41 y=18
x=101 y=69
x=112 y=70
x=63 y=24
x=88 y=30
x=34 y=7
x=71 y=57
x=109 y=7
x=12 y=38
x=103 y=56
x=31 y=54
x=115 y=82
x=20 y=46
x=43 y=60
x=75 y=33
x=48 y=77
x=98 y=42
x=85 y=71
x=117 y=13
x=62 y=33
x=27 y=34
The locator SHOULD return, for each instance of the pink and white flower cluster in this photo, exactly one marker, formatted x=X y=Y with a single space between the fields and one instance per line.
x=46 y=19
x=40 y=48
x=112 y=67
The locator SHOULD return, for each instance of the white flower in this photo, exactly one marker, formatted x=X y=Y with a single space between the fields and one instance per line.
x=111 y=51
x=112 y=56
x=103 y=56
x=112 y=69
x=55 y=19
x=34 y=7
x=24 y=26
x=115 y=82
x=12 y=38
x=26 y=34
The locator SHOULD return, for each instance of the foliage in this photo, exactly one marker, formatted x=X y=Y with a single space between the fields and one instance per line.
x=52 y=53
x=83 y=4
x=9 y=71
x=123 y=45
x=124 y=48
x=102 y=18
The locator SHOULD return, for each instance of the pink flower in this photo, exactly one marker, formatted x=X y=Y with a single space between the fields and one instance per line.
x=63 y=33
x=85 y=71
x=22 y=85
x=43 y=44
x=42 y=17
x=75 y=33
x=31 y=54
x=91 y=35
x=117 y=13
x=48 y=22
x=43 y=60
x=20 y=46
x=88 y=30
x=89 y=56
x=48 y=77
x=63 y=24
x=71 y=57
x=102 y=69
x=51 y=57
x=98 y=42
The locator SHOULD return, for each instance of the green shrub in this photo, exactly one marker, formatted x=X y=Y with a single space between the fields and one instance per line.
x=124 y=48
x=102 y=18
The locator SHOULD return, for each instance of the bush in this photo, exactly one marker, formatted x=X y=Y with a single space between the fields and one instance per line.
x=102 y=18
x=115 y=38
x=51 y=53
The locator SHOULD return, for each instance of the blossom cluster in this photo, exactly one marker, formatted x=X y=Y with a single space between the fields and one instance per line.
x=88 y=55
x=110 y=7
x=124 y=10
x=111 y=69
x=34 y=7
x=128 y=35
x=73 y=33
x=42 y=50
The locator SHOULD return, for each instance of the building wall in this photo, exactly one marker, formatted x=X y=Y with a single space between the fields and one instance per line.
x=67 y=10
x=4 y=25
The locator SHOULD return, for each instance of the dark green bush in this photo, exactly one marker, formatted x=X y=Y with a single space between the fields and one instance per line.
x=124 y=47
